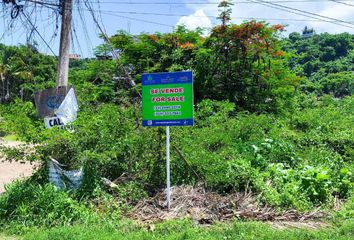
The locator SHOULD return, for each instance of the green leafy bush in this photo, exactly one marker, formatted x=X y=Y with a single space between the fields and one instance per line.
x=30 y=204
x=21 y=118
x=307 y=155
x=311 y=151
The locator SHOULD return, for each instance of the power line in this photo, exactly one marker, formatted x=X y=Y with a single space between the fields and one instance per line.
x=35 y=29
x=334 y=21
x=89 y=7
x=42 y=3
x=9 y=26
x=100 y=15
x=344 y=3
x=304 y=13
x=84 y=28
x=55 y=33
x=137 y=19
x=209 y=16
x=209 y=3
x=76 y=38
x=107 y=40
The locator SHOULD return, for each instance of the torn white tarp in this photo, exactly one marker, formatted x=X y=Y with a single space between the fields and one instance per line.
x=62 y=178
x=67 y=111
x=50 y=99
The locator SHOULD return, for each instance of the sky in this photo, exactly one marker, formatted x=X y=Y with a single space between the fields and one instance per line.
x=149 y=16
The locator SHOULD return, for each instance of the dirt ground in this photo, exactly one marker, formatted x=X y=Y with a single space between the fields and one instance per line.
x=3 y=237
x=14 y=170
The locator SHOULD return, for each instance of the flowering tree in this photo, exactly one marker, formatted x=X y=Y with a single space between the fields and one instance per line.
x=244 y=64
x=240 y=63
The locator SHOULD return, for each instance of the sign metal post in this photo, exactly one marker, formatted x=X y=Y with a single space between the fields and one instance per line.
x=168 y=173
x=167 y=101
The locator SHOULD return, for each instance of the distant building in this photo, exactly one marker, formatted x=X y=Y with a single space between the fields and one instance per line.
x=104 y=57
x=307 y=32
x=74 y=56
x=109 y=55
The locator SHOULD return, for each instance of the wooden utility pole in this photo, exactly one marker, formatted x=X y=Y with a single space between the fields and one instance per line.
x=63 y=65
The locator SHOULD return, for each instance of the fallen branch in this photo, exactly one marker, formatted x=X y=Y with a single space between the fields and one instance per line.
x=206 y=207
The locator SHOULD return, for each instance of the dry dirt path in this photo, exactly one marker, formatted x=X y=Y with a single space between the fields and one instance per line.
x=14 y=170
x=3 y=237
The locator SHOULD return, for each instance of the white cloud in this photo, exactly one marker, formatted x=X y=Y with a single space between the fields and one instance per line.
x=338 y=11
x=195 y=20
x=254 y=10
x=341 y=12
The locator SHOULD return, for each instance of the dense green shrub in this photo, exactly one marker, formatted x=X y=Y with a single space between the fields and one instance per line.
x=20 y=118
x=25 y=71
x=307 y=155
x=30 y=204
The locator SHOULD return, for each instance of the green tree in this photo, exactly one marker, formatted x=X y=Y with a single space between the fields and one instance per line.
x=24 y=71
x=245 y=65
x=338 y=84
x=225 y=12
x=321 y=54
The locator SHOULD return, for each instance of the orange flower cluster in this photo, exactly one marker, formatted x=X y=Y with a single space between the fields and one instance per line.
x=278 y=54
x=249 y=32
x=153 y=37
x=186 y=45
x=278 y=27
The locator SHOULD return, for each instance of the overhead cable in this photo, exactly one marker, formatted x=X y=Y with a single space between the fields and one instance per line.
x=207 y=3
x=209 y=16
x=304 y=13
x=341 y=2
x=35 y=29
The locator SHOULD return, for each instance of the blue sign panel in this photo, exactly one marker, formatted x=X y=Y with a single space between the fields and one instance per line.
x=157 y=123
x=167 y=99
x=167 y=78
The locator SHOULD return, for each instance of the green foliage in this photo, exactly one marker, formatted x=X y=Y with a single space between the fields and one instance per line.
x=225 y=11
x=25 y=72
x=94 y=81
x=267 y=154
x=130 y=193
x=240 y=63
x=158 y=52
x=307 y=155
x=316 y=183
x=347 y=211
x=29 y=204
x=338 y=84
x=244 y=64
x=327 y=60
x=20 y=118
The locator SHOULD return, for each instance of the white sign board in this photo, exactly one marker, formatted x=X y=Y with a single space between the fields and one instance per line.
x=53 y=122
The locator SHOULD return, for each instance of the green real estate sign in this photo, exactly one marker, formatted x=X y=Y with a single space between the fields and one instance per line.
x=168 y=99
